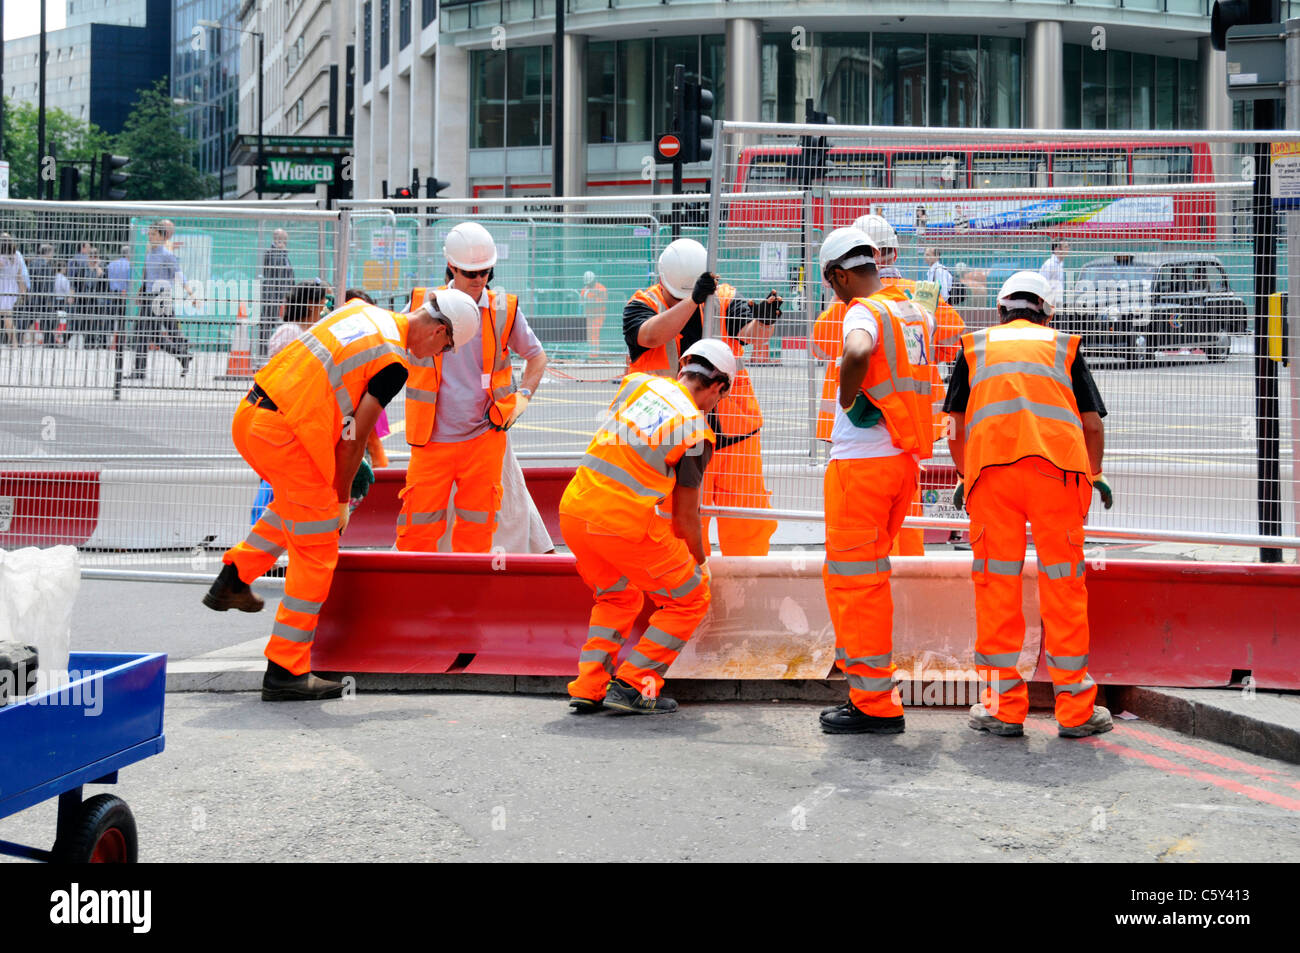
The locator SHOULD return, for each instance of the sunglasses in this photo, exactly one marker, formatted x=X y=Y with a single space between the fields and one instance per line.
x=471 y=275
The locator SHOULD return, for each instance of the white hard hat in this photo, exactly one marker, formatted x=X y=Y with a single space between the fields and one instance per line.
x=680 y=264
x=878 y=230
x=458 y=308
x=1027 y=282
x=715 y=352
x=838 y=245
x=469 y=246
x=588 y=277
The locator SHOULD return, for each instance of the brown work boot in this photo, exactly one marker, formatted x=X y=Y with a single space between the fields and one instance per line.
x=231 y=592
x=281 y=685
x=1098 y=723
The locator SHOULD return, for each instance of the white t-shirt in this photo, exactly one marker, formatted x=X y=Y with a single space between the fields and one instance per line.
x=284 y=335
x=849 y=441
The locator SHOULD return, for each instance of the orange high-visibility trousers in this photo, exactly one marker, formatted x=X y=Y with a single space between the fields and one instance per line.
x=1055 y=504
x=911 y=542
x=734 y=477
x=866 y=502
x=474 y=467
x=302 y=519
x=620 y=572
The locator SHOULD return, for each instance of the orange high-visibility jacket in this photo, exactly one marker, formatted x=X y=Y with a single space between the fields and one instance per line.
x=498 y=320
x=895 y=383
x=828 y=334
x=1022 y=399
x=318 y=380
x=738 y=411
x=948 y=328
x=665 y=360
x=627 y=470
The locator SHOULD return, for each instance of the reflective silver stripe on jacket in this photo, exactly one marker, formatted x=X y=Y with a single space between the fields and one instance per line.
x=1016 y=404
x=897 y=381
x=981 y=370
x=618 y=475
x=421 y=396
x=336 y=371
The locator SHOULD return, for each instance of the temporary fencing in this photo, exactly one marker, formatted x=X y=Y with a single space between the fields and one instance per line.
x=1159 y=276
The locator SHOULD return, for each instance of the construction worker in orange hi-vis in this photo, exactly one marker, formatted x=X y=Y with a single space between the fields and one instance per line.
x=303 y=427
x=1027 y=440
x=631 y=518
x=594 y=297
x=883 y=429
x=458 y=412
x=658 y=322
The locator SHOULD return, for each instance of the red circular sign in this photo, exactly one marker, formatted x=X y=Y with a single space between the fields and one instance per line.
x=669 y=146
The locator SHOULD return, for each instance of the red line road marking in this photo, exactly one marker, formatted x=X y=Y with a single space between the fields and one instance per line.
x=1200 y=754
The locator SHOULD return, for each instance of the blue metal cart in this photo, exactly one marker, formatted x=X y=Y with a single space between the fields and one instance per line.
x=51 y=744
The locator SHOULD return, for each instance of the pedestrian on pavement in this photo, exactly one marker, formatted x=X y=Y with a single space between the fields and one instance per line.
x=63 y=305
x=938 y=273
x=654 y=447
x=119 y=293
x=277 y=278
x=594 y=297
x=459 y=407
x=303 y=427
x=89 y=293
x=1027 y=442
x=1053 y=269
x=40 y=304
x=13 y=284
x=883 y=429
x=157 y=324
x=300 y=309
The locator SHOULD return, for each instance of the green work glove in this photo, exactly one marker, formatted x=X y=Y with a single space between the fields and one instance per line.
x=1103 y=487
x=362 y=482
x=863 y=413
x=959 y=495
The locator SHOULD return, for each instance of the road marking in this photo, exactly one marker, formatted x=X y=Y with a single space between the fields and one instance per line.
x=1200 y=754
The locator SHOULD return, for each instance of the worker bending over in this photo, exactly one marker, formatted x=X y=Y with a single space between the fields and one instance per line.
x=303 y=428
x=459 y=408
x=1028 y=442
x=882 y=430
x=662 y=320
x=651 y=452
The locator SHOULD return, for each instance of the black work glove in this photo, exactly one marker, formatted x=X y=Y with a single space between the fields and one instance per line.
x=705 y=285
x=767 y=311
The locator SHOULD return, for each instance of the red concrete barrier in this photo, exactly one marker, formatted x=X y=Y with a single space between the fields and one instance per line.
x=47 y=508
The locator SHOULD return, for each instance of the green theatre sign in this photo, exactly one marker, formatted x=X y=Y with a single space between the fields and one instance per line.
x=298 y=174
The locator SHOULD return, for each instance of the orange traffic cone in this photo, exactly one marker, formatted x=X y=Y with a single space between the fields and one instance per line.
x=239 y=363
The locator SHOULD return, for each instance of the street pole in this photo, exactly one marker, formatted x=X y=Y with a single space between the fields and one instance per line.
x=1267 y=432
x=557 y=104
x=2 y=80
x=40 y=114
x=261 y=143
x=1293 y=268
x=679 y=129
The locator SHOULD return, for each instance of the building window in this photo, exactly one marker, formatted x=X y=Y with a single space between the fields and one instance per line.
x=383 y=32
x=898 y=76
x=602 y=91
x=1117 y=89
x=488 y=99
x=635 y=98
x=403 y=24
x=953 y=81
x=524 y=80
x=1000 y=71
x=299 y=111
x=368 y=36
x=428 y=12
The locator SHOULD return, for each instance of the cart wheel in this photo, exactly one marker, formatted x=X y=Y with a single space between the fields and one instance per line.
x=104 y=833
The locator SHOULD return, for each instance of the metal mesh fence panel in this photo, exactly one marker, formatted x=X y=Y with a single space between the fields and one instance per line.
x=1155 y=254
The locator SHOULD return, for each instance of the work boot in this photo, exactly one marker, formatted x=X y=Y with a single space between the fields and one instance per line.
x=981 y=720
x=622 y=697
x=1098 y=723
x=585 y=706
x=848 y=719
x=281 y=685
x=231 y=592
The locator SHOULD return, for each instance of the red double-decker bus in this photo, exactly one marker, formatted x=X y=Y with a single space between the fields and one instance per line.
x=1005 y=167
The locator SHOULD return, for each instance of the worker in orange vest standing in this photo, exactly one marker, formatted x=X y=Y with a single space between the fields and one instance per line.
x=662 y=320
x=882 y=430
x=1028 y=442
x=303 y=427
x=458 y=412
x=594 y=297
x=651 y=452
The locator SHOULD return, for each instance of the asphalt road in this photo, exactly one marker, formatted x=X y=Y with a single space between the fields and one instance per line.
x=455 y=777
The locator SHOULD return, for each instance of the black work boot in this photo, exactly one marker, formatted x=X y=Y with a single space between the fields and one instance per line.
x=585 y=706
x=230 y=592
x=848 y=719
x=623 y=698
x=281 y=685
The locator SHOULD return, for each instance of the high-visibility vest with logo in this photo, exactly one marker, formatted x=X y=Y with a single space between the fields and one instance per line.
x=497 y=322
x=665 y=359
x=627 y=471
x=738 y=412
x=1022 y=399
x=898 y=374
x=948 y=328
x=828 y=334
x=318 y=380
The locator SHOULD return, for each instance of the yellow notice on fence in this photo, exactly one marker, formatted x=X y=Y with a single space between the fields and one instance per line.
x=1285 y=166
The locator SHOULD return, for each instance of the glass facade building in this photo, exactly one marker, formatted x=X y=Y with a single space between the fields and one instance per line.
x=205 y=76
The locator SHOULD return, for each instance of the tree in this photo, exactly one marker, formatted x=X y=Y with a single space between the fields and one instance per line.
x=163 y=158
x=66 y=137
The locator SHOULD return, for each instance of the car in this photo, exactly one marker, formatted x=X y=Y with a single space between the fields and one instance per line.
x=1132 y=306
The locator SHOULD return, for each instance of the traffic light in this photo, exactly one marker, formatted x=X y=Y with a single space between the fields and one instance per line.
x=69 y=183
x=403 y=192
x=697 y=123
x=810 y=161
x=433 y=186
x=1229 y=13
x=111 y=177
